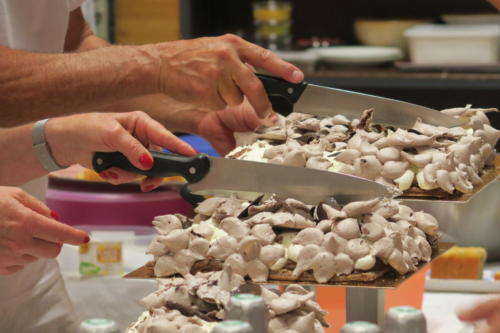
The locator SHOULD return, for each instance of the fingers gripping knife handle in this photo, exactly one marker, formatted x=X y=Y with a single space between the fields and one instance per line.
x=193 y=168
x=282 y=94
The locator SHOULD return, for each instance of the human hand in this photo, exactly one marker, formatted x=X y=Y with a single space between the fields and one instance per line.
x=28 y=231
x=489 y=311
x=74 y=139
x=218 y=127
x=212 y=72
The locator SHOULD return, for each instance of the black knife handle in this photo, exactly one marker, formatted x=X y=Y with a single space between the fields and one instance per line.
x=193 y=168
x=282 y=94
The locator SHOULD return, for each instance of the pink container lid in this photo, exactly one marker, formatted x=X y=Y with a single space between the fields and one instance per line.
x=91 y=203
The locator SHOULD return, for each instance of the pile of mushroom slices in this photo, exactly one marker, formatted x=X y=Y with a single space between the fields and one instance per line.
x=425 y=157
x=194 y=304
x=259 y=238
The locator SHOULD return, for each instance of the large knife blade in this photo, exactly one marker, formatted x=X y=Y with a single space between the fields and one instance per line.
x=325 y=101
x=220 y=176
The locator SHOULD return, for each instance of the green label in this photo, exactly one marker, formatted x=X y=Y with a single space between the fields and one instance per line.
x=98 y=321
x=88 y=268
x=232 y=323
x=246 y=297
x=360 y=324
x=405 y=309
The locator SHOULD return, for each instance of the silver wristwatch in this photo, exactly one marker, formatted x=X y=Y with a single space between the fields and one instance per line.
x=41 y=148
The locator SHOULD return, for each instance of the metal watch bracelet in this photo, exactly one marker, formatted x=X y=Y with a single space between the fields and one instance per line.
x=41 y=148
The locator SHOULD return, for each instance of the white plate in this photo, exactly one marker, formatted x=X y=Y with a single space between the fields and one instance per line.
x=360 y=54
x=486 y=285
x=303 y=59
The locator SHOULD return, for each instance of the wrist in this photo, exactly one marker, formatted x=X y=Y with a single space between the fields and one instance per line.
x=57 y=139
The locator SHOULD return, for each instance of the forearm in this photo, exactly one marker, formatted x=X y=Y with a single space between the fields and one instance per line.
x=19 y=163
x=34 y=86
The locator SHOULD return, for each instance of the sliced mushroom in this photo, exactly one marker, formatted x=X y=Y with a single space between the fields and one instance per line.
x=347 y=228
x=347 y=169
x=348 y=156
x=368 y=149
x=270 y=254
x=404 y=213
x=458 y=179
x=166 y=223
x=318 y=162
x=386 y=208
x=426 y=222
x=165 y=266
x=156 y=247
x=471 y=174
x=394 y=169
x=274 y=151
x=234 y=227
x=257 y=271
x=304 y=259
x=383 y=248
x=418 y=160
x=295 y=158
x=237 y=264
x=323 y=266
x=302 y=324
x=325 y=225
x=340 y=120
x=284 y=305
x=199 y=246
x=204 y=229
x=365 y=263
x=309 y=236
x=429 y=130
x=478 y=120
x=176 y=240
x=405 y=181
x=222 y=248
x=388 y=154
x=184 y=260
x=425 y=248
x=357 y=248
x=334 y=243
x=208 y=206
x=444 y=181
x=358 y=208
x=368 y=167
x=372 y=231
x=344 y=264
x=461 y=152
x=264 y=233
x=396 y=260
x=250 y=248
x=488 y=134
x=375 y=218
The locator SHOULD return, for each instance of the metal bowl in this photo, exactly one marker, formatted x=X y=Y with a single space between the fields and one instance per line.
x=473 y=223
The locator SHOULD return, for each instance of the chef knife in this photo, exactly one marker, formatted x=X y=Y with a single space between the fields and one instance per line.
x=318 y=100
x=221 y=176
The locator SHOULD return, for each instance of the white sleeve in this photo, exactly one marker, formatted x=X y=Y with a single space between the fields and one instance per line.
x=74 y=4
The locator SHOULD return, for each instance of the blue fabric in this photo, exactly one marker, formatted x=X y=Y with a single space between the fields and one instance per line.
x=199 y=144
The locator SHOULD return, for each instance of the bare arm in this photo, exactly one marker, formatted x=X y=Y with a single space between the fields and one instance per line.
x=46 y=85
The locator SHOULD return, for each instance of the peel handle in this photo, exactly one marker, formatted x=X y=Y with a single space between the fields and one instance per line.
x=192 y=168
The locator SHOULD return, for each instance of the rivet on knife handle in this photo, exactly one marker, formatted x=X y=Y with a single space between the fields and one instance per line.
x=282 y=94
x=193 y=168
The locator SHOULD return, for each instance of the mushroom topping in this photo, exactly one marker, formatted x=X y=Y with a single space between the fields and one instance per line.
x=348 y=156
x=237 y=264
x=404 y=213
x=156 y=247
x=274 y=151
x=318 y=163
x=208 y=206
x=368 y=149
x=461 y=152
x=478 y=120
x=304 y=259
x=165 y=266
x=184 y=260
x=284 y=305
x=347 y=169
x=323 y=266
x=324 y=225
x=355 y=142
x=429 y=173
x=372 y=231
x=270 y=254
x=357 y=248
x=222 y=248
x=388 y=154
x=397 y=262
x=340 y=120
x=429 y=130
x=488 y=134
x=375 y=218
x=344 y=264
x=204 y=229
x=383 y=248
x=426 y=222
x=471 y=174
x=199 y=246
x=295 y=158
x=394 y=169
x=334 y=243
x=444 y=181
x=234 y=227
x=302 y=324
x=309 y=236
x=358 y=208
x=406 y=180
x=368 y=167
x=250 y=248
x=425 y=248
x=365 y=263
x=411 y=246
x=460 y=182
x=419 y=160
x=176 y=240
x=387 y=209
x=347 y=228
x=166 y=223
x=257 y=271
x=311 y=124
x=264 y=233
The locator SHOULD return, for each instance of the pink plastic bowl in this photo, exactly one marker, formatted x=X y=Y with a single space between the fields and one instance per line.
x=92 y=203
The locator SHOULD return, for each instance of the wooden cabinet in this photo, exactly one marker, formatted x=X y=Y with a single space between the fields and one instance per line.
x=146 y=21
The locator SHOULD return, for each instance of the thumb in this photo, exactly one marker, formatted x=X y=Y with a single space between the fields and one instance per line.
x=481 y=311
